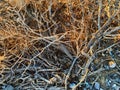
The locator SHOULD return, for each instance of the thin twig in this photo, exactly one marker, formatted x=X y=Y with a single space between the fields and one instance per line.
x=99 y=33
x=99 y=13
x=69 y=72
x=81 y=80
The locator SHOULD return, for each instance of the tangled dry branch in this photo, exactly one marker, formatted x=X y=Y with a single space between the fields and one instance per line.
x=53 y=44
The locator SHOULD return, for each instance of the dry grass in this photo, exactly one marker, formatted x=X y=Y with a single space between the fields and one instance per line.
x=51 y=43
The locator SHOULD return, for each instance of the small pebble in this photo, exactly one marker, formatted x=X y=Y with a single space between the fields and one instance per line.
x=97 y=85
x=87 y=85
x=72 y=85
x=115 y=87
x=54 y=88
x=108 y=82
x=101 y=89
x=112 y=64
x=8 y=87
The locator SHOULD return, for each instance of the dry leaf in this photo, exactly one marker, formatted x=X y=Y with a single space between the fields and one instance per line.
x=2 y=58
x=1 y=18
x=18 y=3
x=66 y=51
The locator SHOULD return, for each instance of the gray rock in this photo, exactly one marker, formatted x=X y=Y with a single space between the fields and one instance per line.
x=8 y=87
x=97 y=85
x=55 y=88
x=71 y=85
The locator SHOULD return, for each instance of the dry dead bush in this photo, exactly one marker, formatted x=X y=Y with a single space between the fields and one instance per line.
x=53 y=43
x=14 y=41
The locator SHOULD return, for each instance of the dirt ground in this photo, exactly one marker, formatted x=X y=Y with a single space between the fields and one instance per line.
x=59 y=45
